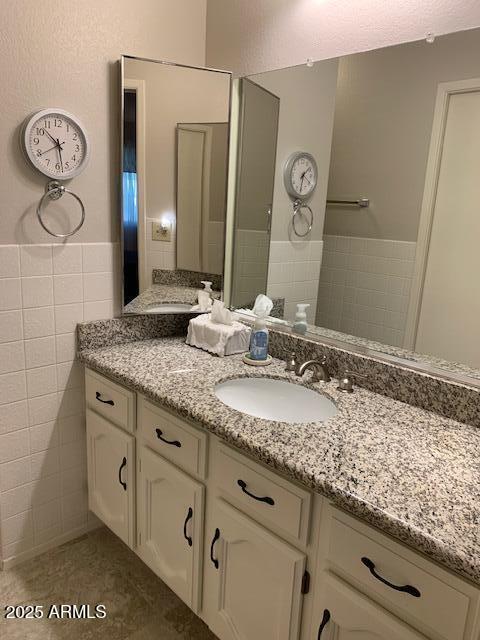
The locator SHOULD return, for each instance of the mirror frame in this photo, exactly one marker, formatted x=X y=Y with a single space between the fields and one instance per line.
x=123 y=59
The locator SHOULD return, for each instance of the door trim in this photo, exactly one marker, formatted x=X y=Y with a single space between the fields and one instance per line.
x=444 y=92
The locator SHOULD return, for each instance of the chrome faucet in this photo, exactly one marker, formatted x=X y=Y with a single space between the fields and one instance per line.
x=320 y=371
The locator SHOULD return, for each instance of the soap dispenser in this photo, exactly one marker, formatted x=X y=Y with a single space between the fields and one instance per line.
x=205 y=296
x=300 y=324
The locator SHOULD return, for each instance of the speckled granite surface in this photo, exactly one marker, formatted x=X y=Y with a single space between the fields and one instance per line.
x=159 y=294
x=184 y=278
x=409 y=472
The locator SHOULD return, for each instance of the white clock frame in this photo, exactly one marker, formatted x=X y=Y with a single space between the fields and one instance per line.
x=287 y=175
x=25 y=139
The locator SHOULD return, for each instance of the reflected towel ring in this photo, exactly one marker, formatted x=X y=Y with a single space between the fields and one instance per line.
x=54 y=191
x=298 y=205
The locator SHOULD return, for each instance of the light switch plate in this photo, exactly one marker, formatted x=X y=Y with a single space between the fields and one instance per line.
x=161 y=231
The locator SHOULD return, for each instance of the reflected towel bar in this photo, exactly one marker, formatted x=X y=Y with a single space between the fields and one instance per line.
x=361 y=202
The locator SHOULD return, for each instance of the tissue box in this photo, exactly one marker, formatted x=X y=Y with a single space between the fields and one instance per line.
x=220 y=339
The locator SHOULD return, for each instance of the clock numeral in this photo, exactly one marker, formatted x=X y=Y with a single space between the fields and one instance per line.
x=58 y=123
x=74 y=158
x=47 y=160
x=57 y=166
x=40 y=131
x=36 y=140
x=47 y=124
x=77 y=148
x=75 y=136
x=67 y=165
x=39 y=153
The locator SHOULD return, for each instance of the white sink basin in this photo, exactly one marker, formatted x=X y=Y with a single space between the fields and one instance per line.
x=277 y=400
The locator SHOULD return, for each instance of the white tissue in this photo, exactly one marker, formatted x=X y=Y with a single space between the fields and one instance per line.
x=221 y=315
x=263 y=305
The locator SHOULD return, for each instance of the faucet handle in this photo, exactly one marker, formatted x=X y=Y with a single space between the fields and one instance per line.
x=291 y=362
x=345 y=383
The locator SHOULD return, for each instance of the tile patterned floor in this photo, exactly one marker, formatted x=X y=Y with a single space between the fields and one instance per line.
x=96 y=568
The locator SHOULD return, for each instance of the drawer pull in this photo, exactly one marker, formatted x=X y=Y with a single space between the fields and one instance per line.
x=214 y=540
x=174 y=443
x=413 y=591
x=185 y=535
x=124 y=464
x=98 y=396
x=243 y=486
x=324 y=622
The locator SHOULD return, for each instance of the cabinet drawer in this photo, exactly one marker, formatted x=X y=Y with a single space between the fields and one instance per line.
x=176 y=440
x=430 y=598
x=110 y=400
x=267 y=497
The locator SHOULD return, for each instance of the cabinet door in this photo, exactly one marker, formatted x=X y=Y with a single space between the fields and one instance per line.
x=253 y=580
x=111 y=490
x=345 y=614
x=170 y=525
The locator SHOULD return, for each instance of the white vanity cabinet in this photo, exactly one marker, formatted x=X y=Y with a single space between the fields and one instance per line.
x=349 y=615
x=253 y=580
x=111 y=475
x=170 y=524
x=257 y=556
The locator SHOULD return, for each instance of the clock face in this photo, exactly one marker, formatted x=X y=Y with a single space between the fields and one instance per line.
x=301 y=175
x=56 y=144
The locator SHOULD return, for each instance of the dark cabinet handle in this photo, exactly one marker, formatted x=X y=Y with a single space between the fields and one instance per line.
x=98 y=396
x=174 y=443
x=243 y=486
x=413 y=591
x=215 y=538
x=124 y=464
x=185 y=535
x=324 y=622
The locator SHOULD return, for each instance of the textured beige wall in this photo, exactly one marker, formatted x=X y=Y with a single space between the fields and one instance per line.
x=65 y=55
x=251 y=36
x=383 y=122
x=307 y=102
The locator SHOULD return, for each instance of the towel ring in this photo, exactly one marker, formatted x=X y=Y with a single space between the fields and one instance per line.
x=298 y=205
x=54 y=191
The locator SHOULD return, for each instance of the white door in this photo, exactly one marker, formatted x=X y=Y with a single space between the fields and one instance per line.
x=111 y=490
x=342 y=613
x=170 y=525
x=449 y=306
x=252 y=588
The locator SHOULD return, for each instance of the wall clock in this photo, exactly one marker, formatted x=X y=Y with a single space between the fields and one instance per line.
x=300 y=175
x=56 y=143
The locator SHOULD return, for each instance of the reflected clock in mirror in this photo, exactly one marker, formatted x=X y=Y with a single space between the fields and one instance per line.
x=175 y=132
x=390 y=265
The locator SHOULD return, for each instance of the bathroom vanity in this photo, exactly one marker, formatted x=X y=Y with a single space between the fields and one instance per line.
x=355 y=527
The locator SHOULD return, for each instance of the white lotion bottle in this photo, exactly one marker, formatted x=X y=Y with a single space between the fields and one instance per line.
x=204 y=296
x=300 y=324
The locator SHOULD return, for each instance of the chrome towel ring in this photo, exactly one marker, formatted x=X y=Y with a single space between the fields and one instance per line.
x=298 y=205
x=54 y=191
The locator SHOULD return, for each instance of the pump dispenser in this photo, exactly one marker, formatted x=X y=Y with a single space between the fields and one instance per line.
x=204 y=296
x=300 y=324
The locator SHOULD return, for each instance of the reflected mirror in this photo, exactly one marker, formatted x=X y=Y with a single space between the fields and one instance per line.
x=391 y=262
x=175 y=131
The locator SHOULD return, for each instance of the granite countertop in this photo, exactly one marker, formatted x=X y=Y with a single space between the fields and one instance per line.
x=412 y=473
x=158 y=294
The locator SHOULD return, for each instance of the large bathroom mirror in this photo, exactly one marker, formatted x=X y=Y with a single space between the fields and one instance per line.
x=391 y=262
x=175 y=135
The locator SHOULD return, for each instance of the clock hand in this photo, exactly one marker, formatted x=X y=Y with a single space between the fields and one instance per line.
x=50 y=136
x=47 y=150
x=60 y=153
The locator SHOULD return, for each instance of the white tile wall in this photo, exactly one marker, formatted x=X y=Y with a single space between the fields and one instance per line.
x=44 y=291
x=251 y=264
x=365 y=287
x=294 y=270
x=160 y=254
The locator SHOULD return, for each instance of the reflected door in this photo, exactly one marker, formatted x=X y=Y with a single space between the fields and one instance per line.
x=450 y=304
x=258 y=128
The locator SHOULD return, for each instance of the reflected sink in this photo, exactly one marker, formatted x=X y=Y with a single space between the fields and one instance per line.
x=277 y=400
x=169 y=307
